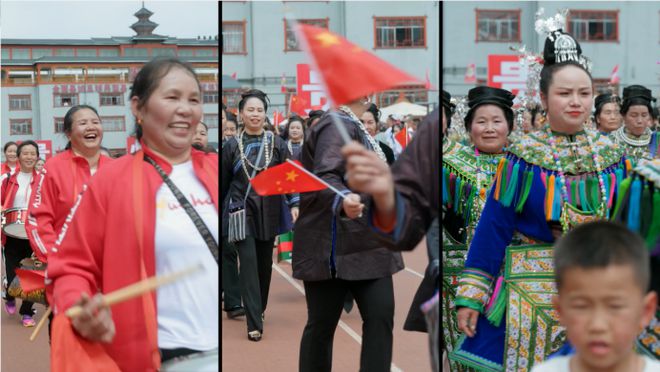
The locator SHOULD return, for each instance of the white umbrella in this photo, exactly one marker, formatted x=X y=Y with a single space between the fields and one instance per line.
x=403 y=109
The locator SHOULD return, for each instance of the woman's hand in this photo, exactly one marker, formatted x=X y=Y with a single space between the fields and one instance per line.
x=352 y=206
x=467 y=321
x=95 y=320
x=294 y=213
x=365 y=171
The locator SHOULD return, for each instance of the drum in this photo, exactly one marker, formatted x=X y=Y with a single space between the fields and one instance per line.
x=207 y=361
x=13 y=222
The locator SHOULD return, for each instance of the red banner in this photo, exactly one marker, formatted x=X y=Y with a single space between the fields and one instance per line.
x=45 y=149
x=310 y=89
x=90 y=88
x=506 y=72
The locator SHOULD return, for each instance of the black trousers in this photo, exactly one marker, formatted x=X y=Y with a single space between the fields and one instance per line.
x=255 y=270
x=15 y=250
x=230 y=284
x=325 y=299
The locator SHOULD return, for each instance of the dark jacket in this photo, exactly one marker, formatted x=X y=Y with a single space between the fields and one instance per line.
x=262 y=212
x=326 y=243
x=416 y=176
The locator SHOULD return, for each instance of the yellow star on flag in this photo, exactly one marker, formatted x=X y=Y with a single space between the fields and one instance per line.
x=327 y=39
x=291 y=176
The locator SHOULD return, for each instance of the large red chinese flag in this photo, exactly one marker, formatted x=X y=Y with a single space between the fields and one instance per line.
x=285 y=179
x=349 y=72
x=70 y=352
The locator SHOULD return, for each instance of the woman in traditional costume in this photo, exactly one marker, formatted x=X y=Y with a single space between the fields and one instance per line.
x=636 y=138
x=608 y=113
x=468 y=173
x=550 y=181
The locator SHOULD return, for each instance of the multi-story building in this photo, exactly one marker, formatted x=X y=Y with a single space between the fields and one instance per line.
x=261 y=50
x=611 y=33
x=42 y=78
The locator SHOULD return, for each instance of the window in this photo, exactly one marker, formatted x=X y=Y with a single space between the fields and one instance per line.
x=413 y=93
x=20 y=53
x=163 y=52
x=408 y=32
x=59 y=125
x=211 y=120
x=21 y=77
x=136 y=52
x=204 y=53
x=233 y=38
x=113 y=123
x=210 y=97
x=18 y=127
x=185 y=52
x=498 y=25
x=38 y=53
x=5 y=53
x=86 y=52
x=290 y=41
x=20 y=103
x=65 y=99
x=108 y=53
x=589 y=25
x=64 y=52
x=112 y=99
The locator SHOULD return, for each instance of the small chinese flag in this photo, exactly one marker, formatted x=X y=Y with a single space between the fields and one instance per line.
x=427 y=83
x=298 y=105
x=234 y=76
x=285 y=179
x=31 y=280
x=349 y=72
x=285 y=247
x=70 y=352
x=277 y=118
x=614 y=77
x=403 y=137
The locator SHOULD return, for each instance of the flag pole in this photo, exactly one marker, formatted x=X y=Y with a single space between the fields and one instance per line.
x=316 y=178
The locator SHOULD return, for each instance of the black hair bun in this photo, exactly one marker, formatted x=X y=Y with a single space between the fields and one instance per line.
x=253 y=93
x=482 y=95
x=561 y=47
x=637 y=91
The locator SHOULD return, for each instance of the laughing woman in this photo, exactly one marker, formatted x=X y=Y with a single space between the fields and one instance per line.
x=63 y=180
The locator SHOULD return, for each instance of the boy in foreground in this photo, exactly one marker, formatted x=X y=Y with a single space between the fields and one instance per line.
x=602 y=272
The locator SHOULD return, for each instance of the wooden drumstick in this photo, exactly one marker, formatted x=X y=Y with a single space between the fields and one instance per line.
x=138 y=288
x=41 y=323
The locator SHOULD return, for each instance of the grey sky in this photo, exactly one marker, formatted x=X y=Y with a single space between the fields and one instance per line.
x=87 y=19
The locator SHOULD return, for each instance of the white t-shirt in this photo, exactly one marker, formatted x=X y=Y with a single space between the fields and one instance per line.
x=23 y=193
x=561 y=364
x=188 y=309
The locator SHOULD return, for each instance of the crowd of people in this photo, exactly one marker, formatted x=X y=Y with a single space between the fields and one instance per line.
x=338 y=251
x=99 y=224
x=524 y=207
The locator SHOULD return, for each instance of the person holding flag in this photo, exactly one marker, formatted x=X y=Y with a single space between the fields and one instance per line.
x=251 y=221
x=332 y=254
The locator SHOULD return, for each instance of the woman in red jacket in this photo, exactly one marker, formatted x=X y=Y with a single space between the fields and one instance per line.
x=11 y=161
x=60 y=184
x=127 y=225
x=15 y=193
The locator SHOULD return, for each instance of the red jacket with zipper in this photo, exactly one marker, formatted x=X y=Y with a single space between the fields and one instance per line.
x=98 y=250
x=60 y=182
